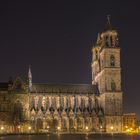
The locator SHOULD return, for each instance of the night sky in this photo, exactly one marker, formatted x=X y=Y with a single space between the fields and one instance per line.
x=56 y=37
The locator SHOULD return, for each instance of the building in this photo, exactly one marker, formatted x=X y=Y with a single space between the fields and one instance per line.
x=95 y=107
x=129 y=121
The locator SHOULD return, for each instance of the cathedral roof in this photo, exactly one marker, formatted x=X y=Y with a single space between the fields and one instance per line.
x=3 y=86
x=64 y=88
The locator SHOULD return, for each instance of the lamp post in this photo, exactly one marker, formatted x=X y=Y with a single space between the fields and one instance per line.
x=58 y=129
x=2 y=129
x=29 y=128
x=48 y=128
x=19 y=128
x=101 y=130
x=86 y=131
x=86 y=128
x=112 y=130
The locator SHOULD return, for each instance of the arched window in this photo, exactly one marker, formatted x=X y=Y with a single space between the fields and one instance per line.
x=106 y=41
x=113 y=85
x=17 y=112
x=112 y=60
x=96 y=55
x=111 y=41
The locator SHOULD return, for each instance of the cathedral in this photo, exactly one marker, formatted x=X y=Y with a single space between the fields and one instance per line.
x=97 y=107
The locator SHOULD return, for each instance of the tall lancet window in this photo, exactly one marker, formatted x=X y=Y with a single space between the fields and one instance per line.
x=111 y=41
x=113 y=85
x=17 y=112
x=112 y=60
x=96 y=55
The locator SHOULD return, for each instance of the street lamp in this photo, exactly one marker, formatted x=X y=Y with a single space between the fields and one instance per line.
x=87 y=132
x=86 y=127
x=58 y=128
x=29 y=128
x=112 y=130
x=126 y=126
x=2 y=128
x=101 y=130
x=48 y=127
x=101 y=127
x=19 y=127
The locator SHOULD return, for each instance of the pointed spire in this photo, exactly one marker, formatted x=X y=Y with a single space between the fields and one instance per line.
x=29 y=73
x=108 y=24
x=98 y=39
x=30 y=79
x=108 y=19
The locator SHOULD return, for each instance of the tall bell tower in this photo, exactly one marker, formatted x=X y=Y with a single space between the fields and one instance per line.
x=106 y=72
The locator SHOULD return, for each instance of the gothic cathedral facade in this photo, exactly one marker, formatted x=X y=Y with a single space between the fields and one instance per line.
x=95 y=107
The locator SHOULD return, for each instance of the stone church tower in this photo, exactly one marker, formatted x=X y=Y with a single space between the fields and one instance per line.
x=106 y=73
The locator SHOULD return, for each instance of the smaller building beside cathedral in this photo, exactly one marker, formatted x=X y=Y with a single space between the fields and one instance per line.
x=97 y=107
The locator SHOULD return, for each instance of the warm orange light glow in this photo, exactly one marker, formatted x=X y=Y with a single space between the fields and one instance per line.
x=86 y=127
x=101 y=127
x=58 y=128
x=29 y=128
x=2 y=128
x=19 y=127
x=126 y=126
x=111 y=127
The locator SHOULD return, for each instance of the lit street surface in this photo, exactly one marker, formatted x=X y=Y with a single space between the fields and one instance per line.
x=70 y=137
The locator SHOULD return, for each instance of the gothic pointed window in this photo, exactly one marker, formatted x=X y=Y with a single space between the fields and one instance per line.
x=111 y=41
x=17 y=112
x=96 y=55
x=106 y=41
x=113 y=85
x=116 y=41
x=112 y=60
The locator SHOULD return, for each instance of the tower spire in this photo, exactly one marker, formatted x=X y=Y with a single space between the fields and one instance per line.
x=108 y=24
x=108 y=19
x=98 y=39
x=30 y=78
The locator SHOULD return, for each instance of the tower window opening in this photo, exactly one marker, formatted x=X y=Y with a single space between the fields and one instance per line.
x=96 y=55
x=112 y=60
x=113 y=85
x=111 y=41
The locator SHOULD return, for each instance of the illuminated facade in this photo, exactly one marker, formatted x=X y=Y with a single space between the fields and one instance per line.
x=129 y=121
x=95 y=107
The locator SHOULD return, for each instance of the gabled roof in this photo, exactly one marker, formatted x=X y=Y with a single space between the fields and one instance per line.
x=64 y=88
